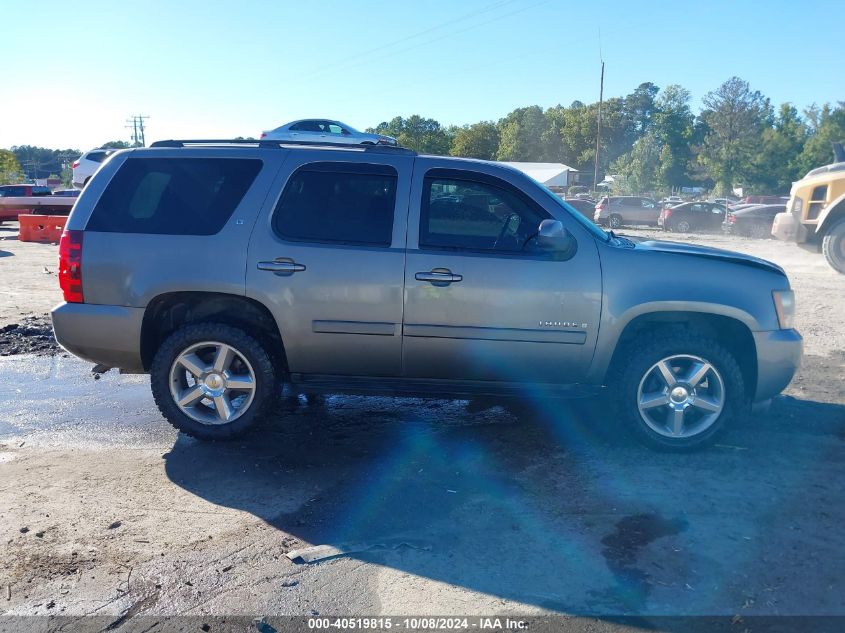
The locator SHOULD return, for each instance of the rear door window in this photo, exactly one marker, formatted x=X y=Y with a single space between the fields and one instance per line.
x=173 y=196
x=345 y=203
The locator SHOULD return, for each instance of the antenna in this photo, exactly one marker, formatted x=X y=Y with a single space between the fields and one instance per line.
x=598 y=133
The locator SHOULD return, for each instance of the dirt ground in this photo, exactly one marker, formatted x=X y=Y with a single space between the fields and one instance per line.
x=445 y=507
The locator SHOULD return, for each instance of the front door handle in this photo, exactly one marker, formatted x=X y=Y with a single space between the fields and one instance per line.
x=281 y=266
x=439 y=277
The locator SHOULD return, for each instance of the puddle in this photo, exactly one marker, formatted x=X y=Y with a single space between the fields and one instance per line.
x=621 y=552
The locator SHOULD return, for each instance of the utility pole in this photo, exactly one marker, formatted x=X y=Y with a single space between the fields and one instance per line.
x=598 y=134
x=136 y=124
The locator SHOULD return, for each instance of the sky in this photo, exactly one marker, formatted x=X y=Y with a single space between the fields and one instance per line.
x=76 y=72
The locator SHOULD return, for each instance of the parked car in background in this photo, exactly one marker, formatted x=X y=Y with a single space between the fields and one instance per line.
x=19 y=191
x=323 y=131
x=671 y=200
x=692 y=216
x=764 y=199
x=87 y=165
x=67 y=193
x=587 y=208
x=616 y=211
x=754 y=221
x=725 y=201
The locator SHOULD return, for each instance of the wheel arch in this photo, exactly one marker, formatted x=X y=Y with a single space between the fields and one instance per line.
x=168 y=312
x=831 y=215
x=730 y=330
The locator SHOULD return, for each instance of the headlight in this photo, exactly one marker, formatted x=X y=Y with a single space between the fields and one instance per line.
x=797 y=205
x=785 y=308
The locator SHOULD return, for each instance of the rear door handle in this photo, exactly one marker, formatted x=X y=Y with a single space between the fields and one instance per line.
x=281 y=266
x=439 y=276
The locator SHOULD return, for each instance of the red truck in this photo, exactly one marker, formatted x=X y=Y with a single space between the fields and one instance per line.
x=19 y=191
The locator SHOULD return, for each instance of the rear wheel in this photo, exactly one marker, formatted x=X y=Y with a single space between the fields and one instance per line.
x=678 y=389
x=682 y=226
x=833 y=247
x=615 y=221
x=212 y=381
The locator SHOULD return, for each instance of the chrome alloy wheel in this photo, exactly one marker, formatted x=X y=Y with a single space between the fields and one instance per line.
x=681 y=396
x=212 y=383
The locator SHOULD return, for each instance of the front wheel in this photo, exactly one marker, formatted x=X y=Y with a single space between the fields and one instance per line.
x=833 y=247
x=615 y=221
x=212 y=381
x=683 y=226
x=677 y=390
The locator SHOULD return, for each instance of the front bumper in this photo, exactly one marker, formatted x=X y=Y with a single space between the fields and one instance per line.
x=778 y=358
x=102 y=334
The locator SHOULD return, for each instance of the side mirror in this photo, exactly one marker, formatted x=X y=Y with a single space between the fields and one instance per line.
x=553 y=237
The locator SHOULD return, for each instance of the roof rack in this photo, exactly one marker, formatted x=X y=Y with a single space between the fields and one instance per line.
x=278 y=144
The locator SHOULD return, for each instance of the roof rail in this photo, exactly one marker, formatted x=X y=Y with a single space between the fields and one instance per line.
x=279 y=144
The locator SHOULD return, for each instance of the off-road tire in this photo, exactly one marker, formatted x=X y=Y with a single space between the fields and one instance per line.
x=265 y=379
x=833 y=247
x=642 y=353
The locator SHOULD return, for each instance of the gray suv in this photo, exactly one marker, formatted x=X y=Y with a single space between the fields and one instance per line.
x=616 y=211
x=228 y=269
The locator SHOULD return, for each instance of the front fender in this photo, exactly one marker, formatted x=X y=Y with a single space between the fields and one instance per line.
x=639 y=282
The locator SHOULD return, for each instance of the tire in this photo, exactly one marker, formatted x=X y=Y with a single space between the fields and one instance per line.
x=833 y=247
x=200 y=346
x=615 y=221
x=681 y=225
x=651 y=420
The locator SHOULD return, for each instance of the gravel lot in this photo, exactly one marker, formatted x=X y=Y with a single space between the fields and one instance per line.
x=450 y=507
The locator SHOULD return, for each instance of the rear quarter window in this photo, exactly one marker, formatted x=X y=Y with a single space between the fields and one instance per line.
x=173 y=196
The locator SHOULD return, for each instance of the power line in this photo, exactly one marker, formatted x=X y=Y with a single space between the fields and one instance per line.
x=443 y=37
x=333 y=66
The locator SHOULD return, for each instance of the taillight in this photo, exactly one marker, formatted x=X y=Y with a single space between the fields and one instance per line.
x=667 y=213
x=263 y=135
x=731 y=218
x=70 y=266
x=75 y=164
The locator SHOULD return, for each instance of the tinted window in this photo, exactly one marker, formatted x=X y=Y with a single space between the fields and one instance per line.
x=97 y=157
x=41 y=191
x=173 y=196
x=462 y=214
x=338 y=202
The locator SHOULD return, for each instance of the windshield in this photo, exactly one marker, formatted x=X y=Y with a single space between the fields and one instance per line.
x=604 y=236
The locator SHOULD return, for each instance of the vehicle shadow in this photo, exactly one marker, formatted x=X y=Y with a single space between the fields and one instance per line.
x=548 y=510
x=6 y=254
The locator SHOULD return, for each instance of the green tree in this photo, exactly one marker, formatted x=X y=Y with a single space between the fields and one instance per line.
x=673 y=125
x=828 y=125
x=521 y=135
x=639 y=168
x=735 y=117
x=10 y=169
x=38 y=162
x=641 y=106
x=116 y=145
x=776 y=163
x=480 y=140
x=416 y=133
